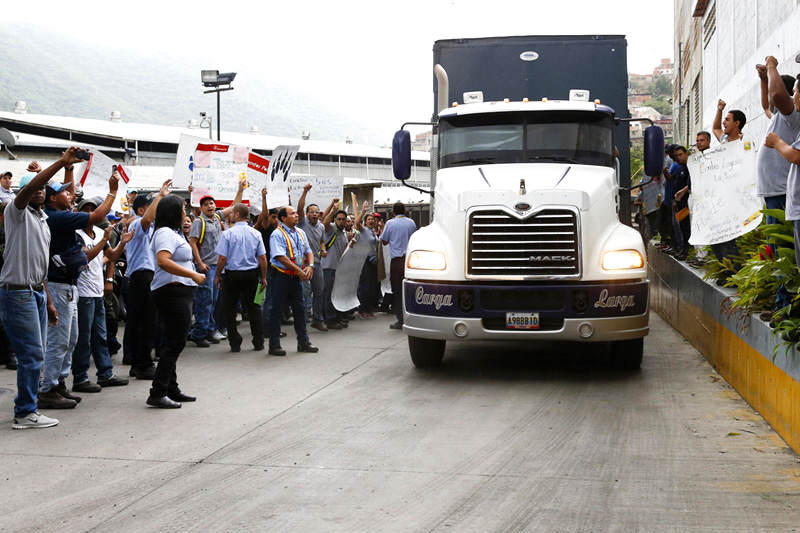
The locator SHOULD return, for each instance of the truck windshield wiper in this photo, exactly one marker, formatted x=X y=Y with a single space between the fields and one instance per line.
x=556 y=158
x=473 y=161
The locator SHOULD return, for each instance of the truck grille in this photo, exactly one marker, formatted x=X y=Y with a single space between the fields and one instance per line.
x=542 y=245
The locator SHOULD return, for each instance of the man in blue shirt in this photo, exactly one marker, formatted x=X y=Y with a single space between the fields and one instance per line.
x=244 y=259
x=67 y=260
x=292 y=262
x=396 y=234
x=140 y=327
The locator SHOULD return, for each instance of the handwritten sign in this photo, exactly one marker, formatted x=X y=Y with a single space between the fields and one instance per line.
x=257 y=176
x=725 y=205
x=94 y=177
x=278 y=181
x=217 y=170
x=323 y=190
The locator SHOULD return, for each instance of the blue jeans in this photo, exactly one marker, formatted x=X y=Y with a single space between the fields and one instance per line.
x=91 y=341
x=205 y=296
x=24 y=316
x=61 y=338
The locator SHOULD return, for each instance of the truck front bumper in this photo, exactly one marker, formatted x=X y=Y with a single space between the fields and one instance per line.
x=586 y=312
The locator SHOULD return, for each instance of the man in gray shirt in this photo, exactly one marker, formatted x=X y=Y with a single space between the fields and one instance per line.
x=25 y=307
x=335 y=242
x=315 y=231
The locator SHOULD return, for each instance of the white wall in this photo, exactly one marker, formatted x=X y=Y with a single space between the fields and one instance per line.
x=747 y=31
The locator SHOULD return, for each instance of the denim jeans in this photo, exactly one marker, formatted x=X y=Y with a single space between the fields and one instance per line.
x=61 y=338
x=205 y=296
x=318 y=293
x=783 y=298
x=92 y=342
x=24 y=316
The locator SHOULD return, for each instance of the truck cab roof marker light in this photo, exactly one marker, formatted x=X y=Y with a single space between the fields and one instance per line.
x=597 y=101
x=455 y=104
x=544 y=100
x=506 y=100
x=525 y=100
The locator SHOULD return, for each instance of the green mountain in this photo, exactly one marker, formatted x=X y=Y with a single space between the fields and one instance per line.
x=60 y=76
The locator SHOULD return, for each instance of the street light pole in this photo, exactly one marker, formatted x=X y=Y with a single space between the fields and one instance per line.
x=213 y=78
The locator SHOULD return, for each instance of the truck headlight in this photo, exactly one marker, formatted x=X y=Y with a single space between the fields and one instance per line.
x=622 y=260
x=426 y=260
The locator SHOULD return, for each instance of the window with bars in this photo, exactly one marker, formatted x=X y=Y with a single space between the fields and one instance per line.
x=696 y=98
x=710 y=25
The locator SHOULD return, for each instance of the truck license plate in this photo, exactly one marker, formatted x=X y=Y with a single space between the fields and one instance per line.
x=522 y=320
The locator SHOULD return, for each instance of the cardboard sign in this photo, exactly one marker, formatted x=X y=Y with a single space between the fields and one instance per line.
x=94 y=176
x=725 y=205
x=217 y=169
x=257 y=176
x=344 y=296
x=652 y=194
x=323 y=190
x=278 y=181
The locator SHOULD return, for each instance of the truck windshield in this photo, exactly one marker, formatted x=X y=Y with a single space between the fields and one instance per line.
x=577 y=137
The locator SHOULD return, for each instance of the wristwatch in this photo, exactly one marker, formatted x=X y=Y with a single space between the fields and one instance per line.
x=109 y=280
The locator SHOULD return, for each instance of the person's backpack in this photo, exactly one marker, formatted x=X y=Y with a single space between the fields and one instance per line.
x=203 y=228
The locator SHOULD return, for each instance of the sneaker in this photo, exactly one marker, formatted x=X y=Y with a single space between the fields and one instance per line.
x=85 y=386
x=219 y=336
x=212 y=339
x=113 y=381
x=34 y=420
x=53 y=400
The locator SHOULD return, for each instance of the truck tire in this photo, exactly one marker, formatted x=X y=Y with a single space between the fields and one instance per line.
x=627 y=355
x=426 y=353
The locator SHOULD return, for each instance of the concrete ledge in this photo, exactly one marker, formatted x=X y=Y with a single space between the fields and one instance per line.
x=738 y=345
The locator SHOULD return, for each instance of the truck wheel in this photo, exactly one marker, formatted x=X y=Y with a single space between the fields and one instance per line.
x=426 y=352
x=627 y=354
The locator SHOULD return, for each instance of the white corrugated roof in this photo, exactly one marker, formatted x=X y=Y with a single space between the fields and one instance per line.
x=171 y=134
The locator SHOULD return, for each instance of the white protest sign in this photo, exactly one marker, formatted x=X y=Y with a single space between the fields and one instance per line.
x=323 y=190
x=217 y=170
x=94 y=176
x=344 y=296
x=184 y=160
x=725 y=205
x=257 y=176
x=386 y=283
x=279 y=169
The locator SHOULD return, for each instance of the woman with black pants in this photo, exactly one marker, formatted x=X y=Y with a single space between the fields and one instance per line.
x=173 y=286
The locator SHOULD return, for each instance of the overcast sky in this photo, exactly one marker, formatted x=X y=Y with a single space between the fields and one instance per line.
x=370 y=58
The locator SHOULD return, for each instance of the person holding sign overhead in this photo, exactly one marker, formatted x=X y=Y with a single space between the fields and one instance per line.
x=244 y=259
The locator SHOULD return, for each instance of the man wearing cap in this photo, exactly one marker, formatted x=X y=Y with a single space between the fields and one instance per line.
x=244 y=259
x=67 y=261
x=6 y=196
x=203 y=238
x=24 y=305
x=92 y=342
x=140 y=327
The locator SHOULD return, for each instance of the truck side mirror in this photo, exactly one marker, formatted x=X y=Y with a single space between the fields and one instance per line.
x=653 y=151
x=401 y=155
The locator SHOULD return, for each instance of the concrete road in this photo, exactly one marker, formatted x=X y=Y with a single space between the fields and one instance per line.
x=502 y=437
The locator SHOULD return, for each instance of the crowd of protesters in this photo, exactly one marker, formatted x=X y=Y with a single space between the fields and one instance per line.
x=73 y=270
x=777 y=168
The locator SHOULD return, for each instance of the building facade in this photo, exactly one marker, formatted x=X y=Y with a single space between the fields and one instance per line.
x=718 y=45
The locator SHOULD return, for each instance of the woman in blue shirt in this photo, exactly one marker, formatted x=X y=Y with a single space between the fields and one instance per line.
x=173 y=286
